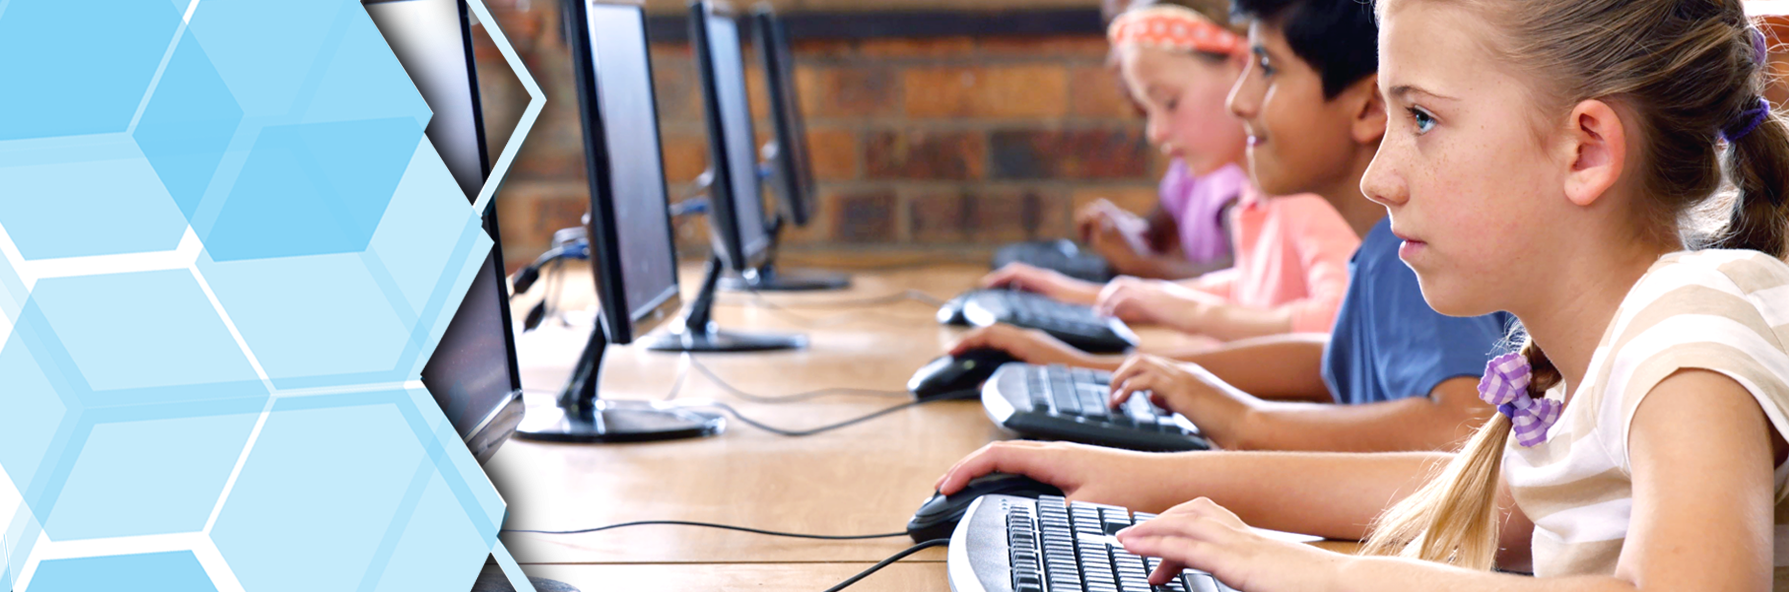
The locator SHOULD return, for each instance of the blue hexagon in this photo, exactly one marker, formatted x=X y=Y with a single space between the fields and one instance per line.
x=93 y=195
x=99 y=60
x=173 y=571
x=188 y=124
x=124 y=415
x=358 y=482
x=363 y=317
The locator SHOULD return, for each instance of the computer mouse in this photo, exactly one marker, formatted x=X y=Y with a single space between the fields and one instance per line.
x=940 y=514
x=952 y=311
x=956 y=375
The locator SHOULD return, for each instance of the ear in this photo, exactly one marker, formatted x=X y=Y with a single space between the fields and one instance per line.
x=1596 y=150
x=1366 y=110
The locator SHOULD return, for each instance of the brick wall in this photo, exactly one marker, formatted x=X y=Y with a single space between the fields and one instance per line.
x=951 y=143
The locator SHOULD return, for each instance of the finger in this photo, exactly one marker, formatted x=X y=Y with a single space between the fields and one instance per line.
x=975 y=339
x=1019 y=458
x=1177 y=552
x=999 y=277
x=1166 y=572
x=1130 y=387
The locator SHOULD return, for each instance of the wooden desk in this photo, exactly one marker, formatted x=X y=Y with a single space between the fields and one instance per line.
x=867 y=478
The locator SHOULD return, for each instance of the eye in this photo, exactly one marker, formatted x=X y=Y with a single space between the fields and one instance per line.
x=1266 y=65
x=1171 y=104
x=1423 y=120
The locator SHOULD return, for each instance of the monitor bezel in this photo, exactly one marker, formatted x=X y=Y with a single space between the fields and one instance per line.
x=795 y=179
x=620 y=326
x=727 y=220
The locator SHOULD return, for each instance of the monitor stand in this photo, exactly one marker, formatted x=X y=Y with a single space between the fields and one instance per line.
x=766 y=277
x=697 y=331
x=580 y=416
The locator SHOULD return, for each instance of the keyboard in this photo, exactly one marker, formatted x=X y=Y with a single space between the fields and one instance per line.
x=1014 y=544
x=1060 y=255
x=1074 y=324
x=1062 y=403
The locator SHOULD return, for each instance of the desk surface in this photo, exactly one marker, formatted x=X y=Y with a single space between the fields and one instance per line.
x=866 y=478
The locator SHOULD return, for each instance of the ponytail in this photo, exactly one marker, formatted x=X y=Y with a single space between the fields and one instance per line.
x=1453 y=517
x=1758 y=166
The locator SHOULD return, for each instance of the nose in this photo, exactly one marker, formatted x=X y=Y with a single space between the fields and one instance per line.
x=1382 y=182
x=1245 y=96
x=1156 y=129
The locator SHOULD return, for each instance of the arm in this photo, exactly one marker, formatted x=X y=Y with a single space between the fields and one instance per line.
x=1701 y=452
x=1159 y=255
x=1278 y=367
x=1330 y=495
x=1236 y=420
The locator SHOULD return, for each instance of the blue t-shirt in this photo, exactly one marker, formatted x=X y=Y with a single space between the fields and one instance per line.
x=1388 y=344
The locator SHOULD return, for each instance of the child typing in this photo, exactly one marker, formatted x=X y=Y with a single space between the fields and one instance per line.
x=1562 y=160
x=1291 y=253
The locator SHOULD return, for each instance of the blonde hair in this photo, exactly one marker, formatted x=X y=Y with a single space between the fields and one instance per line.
x=1687 y=74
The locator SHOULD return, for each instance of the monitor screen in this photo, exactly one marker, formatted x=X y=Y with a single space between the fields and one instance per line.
x=794 y=172
x=631 y=227
x=473 y=373
x=733 y=144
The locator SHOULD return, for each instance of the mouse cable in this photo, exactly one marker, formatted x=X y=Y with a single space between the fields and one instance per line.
x=890 y=560
x=803 y=396
x=909 y=295
x=811 y=431
x=823 y=537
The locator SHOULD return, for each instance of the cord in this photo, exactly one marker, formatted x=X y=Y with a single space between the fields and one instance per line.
x=823 y=537
x=825 y=428
x=889 y=561
x=834 y=320
x=814 y=394
x=895 y=298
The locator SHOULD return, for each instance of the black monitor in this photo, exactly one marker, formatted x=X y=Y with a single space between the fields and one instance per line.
x=792 y=173
x=632 y=250
x=473 y=373
x=746 y=239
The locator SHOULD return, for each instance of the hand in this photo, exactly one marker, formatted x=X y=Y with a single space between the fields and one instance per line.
x=1154 y=301
x=1103 y=213
x=1203 y=535
x=1020 y=276
x=1184 y=388
x=1084 y=473
x=1030 y=346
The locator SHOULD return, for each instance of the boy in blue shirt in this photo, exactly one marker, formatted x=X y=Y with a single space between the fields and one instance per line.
x=1395 y=374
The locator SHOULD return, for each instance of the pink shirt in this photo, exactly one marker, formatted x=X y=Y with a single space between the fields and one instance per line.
x=1291 y=253
x=1197 y=205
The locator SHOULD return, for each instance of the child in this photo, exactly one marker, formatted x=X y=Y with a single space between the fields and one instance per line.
x=1394 y=374
x=1640 y=442
x=1291 y=252
x=1184 y=236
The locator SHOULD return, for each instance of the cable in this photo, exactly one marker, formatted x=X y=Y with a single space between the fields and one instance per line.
x=814 y=394
x=823 y=537
x=834 y=320
x=895 y=298
x=825 y=428
x=890 y=560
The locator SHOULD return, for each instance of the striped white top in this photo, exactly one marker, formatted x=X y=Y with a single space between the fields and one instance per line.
x=1724 y=311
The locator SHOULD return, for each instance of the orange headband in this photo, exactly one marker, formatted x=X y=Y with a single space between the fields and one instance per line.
x=1172 y=28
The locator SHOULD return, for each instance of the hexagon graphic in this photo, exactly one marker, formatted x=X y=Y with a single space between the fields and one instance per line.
x=226 y=252
x=172 y=571
x=356 y=482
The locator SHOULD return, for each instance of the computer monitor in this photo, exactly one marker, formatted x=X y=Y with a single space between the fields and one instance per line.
x=792 y=173
x=632 y=250
x=735 y=189
x=473 y=373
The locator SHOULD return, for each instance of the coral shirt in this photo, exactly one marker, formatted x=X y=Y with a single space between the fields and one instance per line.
x=1291 y=253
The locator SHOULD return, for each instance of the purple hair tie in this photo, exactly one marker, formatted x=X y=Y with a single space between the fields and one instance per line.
x=1753 y=117
x=1506 y=385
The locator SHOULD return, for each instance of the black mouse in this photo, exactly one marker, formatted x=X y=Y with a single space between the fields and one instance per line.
x=939 y=515
x=956 y=375
x=952 y=311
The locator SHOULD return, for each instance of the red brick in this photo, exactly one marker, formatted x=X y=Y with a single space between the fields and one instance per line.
x=686 y=156
x=1139 y=199
x=821 y=48
x=916 y=154
x=1068 y=154
x=938 y=217
x=833 y=153
x=1097 y=91
x=856 y=91
x=864 y=216
x=755 y=90
x=674 y=80
x=897 y=47
x=983 y=215
x=1058 y=47
x=1025 y=91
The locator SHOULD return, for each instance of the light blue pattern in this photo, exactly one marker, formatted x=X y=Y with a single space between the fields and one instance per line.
x=175 y=571
x=249 y=390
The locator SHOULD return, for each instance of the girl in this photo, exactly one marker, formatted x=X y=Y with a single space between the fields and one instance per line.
x=1292 y=252
x=1546 y=160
